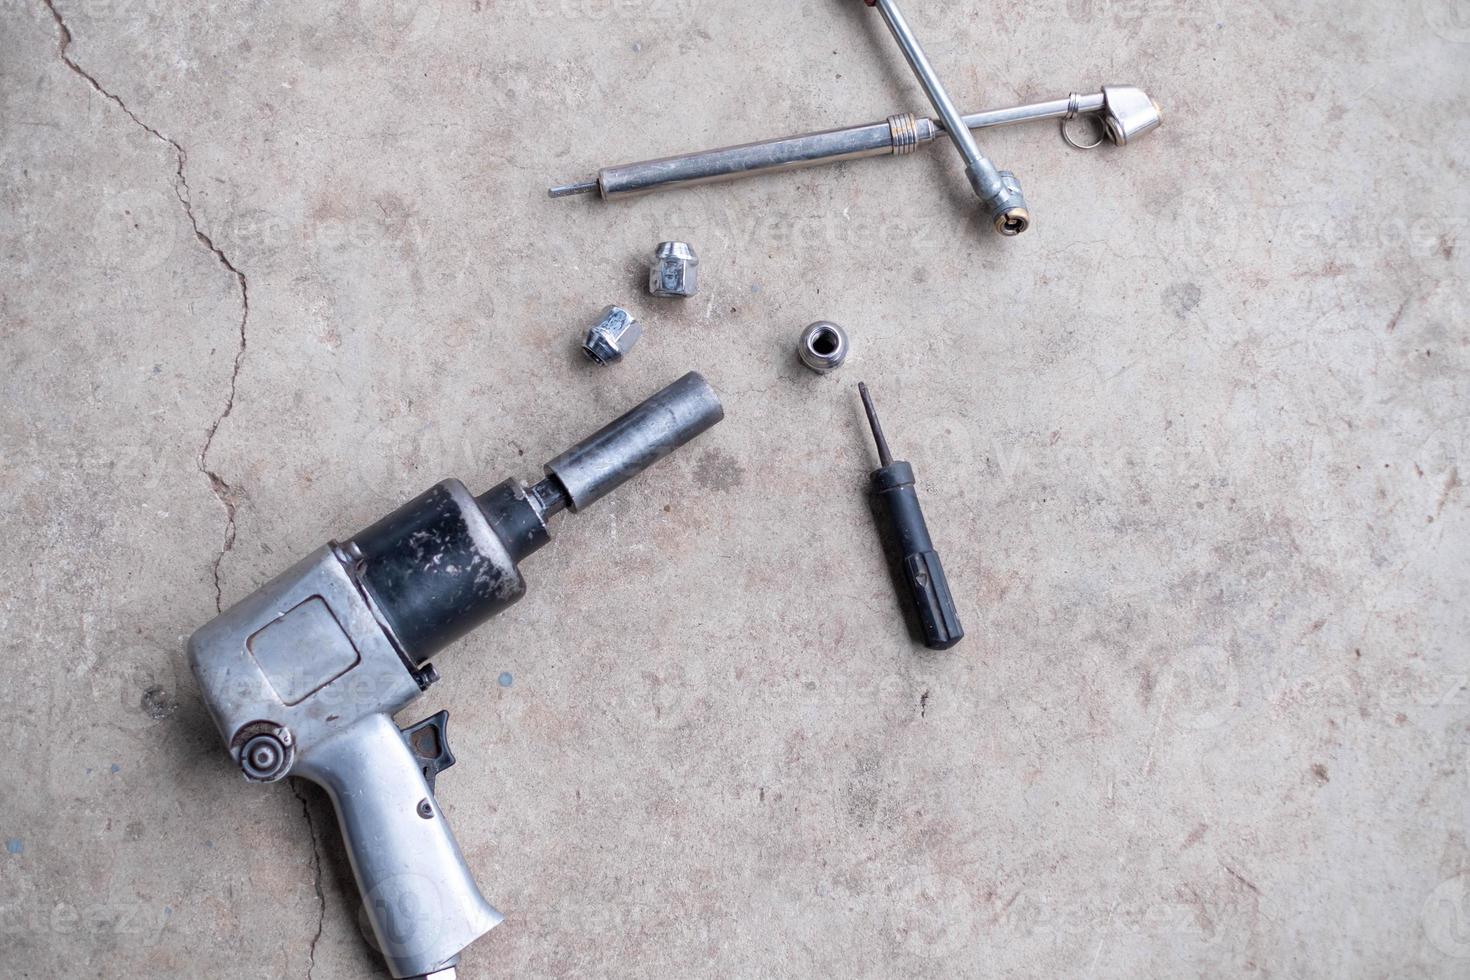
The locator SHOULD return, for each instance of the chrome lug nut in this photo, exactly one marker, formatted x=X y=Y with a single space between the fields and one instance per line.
x=612 y=336
x=674 y=270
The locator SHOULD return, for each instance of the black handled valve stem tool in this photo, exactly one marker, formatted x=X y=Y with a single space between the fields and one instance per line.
x=923 y=575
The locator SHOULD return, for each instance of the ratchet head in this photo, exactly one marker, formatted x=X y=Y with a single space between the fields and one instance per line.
x=1128 y=112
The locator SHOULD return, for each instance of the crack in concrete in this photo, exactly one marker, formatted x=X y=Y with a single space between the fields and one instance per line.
x=222 y=491
x=321 y=898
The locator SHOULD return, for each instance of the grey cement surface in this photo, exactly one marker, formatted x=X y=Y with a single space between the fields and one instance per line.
x=1192 y=449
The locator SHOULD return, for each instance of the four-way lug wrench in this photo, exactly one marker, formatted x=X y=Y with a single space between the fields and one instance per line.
x=1125 y=113
x=999 y=190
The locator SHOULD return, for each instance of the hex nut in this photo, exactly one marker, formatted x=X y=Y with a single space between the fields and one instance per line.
x=674 y=270
x=613 y=335
x=823 y=347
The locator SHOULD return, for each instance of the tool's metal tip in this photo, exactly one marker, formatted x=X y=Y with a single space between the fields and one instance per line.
x=885 y=456
x=571 y=190
x=1013 y=222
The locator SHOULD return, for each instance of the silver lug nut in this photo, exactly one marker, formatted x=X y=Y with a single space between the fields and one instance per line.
x=674 y=270
x=612 y=336
x=823 y=346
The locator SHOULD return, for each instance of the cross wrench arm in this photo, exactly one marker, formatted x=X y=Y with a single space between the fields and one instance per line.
x=1125 y=113
x=998 y=190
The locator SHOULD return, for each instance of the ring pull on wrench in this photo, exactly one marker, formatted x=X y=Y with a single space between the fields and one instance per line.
x=1072 y=113
x=999 y=190
x=1122 y=114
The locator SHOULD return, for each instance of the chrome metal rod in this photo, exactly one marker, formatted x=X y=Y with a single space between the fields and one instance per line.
x=572 y=190
x=767 y=156
x=1125 y=112
x=999 y=192
x=1073 y=105
x=982 y=172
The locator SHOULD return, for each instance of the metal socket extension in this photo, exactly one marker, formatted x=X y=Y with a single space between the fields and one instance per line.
x=630 y=444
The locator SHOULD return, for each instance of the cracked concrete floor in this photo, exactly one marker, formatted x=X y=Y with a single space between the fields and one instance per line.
x=1191 y=447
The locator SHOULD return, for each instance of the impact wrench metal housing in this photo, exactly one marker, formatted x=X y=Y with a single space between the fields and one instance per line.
x=303 y=677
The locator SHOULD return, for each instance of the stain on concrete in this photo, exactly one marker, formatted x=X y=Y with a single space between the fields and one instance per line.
x=158 y=704
x=1398 y=315
x=1183 y=298
x=718 y=470
x=1242 y=879
x=14 y=846
x=862 y=792
x=1451 y=484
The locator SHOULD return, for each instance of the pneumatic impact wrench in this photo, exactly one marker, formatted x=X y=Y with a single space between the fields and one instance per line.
x=304 y=676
